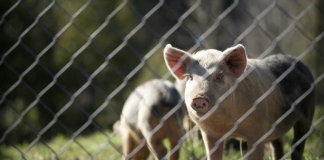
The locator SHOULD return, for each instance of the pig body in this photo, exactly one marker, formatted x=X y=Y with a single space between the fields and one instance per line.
x=142 y=112
x=211 y=73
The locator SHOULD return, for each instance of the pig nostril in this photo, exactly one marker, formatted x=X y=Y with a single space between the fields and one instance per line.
x=195 y=105
x=204 y=104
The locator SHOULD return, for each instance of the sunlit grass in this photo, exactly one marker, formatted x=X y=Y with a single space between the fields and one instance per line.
x=70 y=150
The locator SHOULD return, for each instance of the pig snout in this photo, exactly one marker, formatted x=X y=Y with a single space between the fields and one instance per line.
x=200 y=104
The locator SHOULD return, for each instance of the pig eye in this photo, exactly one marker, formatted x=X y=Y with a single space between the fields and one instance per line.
x=219 y=76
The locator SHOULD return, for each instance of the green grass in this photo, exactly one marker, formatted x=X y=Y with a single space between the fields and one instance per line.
x=314 y=147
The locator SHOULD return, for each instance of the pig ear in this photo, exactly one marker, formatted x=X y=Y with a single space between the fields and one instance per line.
x=177 y=61
x=235 y=59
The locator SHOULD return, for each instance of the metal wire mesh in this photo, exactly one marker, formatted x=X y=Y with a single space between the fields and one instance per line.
x=196 y=25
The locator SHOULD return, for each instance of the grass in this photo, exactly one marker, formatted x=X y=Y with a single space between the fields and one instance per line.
x=91 y=143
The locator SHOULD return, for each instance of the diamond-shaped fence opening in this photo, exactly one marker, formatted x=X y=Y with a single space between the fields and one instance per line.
x=67 y=68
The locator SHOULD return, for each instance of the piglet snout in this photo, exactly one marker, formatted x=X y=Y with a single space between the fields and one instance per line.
x=200 y=104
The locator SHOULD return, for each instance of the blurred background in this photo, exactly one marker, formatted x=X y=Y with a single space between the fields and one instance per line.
x=67 y=66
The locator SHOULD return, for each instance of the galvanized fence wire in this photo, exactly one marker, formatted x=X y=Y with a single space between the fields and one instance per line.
x=126 y=78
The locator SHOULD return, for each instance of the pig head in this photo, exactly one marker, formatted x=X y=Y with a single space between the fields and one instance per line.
x=210 y=74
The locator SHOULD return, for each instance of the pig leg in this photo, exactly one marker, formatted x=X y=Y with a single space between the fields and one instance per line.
x=174 y=142
x=128 y=144
x=210 y=144
x=300 y=129
x=157 y=147
x=175 y=133
x=142 y=153
x=258 y=153
x=147 y=122
x=277 y=149
x=155 y=141
x=303 y=125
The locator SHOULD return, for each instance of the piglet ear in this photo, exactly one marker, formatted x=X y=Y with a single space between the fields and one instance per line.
x=177 y=61
x=236 y=60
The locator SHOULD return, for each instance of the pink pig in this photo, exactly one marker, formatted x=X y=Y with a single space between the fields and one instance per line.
x=211 y=73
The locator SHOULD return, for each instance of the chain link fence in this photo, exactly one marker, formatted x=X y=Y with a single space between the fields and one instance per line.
x=67 y=67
